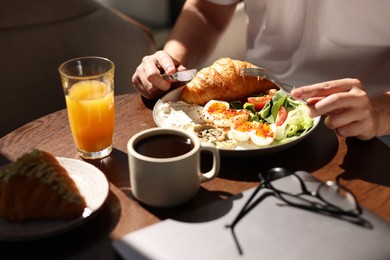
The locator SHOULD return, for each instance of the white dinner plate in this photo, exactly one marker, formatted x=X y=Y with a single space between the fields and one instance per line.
x=241 y=151
x=93 y=185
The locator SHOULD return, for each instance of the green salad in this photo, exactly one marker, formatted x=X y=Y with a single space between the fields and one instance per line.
x=290 y=116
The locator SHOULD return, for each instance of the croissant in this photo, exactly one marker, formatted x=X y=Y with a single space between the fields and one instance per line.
x=222 y=81
x=37 y=187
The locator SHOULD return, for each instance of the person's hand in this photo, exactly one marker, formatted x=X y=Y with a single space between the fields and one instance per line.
x=147 y=78
x=348 y=108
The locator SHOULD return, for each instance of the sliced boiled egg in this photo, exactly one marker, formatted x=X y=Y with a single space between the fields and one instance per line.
x=220 y=114
x=213 y=109
x=231 y=117
x=263 y=135
x=241 y=132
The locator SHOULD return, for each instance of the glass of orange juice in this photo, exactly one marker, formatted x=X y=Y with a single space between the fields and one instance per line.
x=88 y=84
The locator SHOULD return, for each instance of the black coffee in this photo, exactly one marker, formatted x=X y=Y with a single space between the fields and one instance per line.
x=164 y=146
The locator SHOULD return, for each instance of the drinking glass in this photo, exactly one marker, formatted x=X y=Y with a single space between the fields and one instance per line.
x=88 y=84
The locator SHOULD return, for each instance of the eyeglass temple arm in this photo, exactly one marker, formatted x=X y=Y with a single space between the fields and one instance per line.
x=248 y=207
x=242 y=211
x=264 y=183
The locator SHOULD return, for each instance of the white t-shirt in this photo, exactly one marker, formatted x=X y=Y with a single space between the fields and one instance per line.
x=309 y=41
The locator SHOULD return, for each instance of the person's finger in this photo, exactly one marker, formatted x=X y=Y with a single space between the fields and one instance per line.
x=144 y=86
x=330 y=104
x=325 y=88
x=357 y=129
x=153 y=79
x=355 y=98
x=312 y=101
x=341 y=118
x=140 y=88
x=149 y=72
x=165 y=62
x=353 y=122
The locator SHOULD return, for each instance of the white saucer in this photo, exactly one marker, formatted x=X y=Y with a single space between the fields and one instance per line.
x=93 y=185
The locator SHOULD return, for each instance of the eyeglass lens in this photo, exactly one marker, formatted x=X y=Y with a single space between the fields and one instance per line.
x=304 y=189
x=337 y=195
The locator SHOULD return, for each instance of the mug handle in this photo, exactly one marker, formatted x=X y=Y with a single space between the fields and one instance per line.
x=207 y=176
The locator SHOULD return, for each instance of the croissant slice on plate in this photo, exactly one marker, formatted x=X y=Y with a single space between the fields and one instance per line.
x=37 y=187
x=222 y=81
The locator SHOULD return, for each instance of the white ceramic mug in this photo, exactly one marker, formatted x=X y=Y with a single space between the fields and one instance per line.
x=165 y=166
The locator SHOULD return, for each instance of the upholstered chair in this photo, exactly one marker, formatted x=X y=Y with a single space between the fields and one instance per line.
x=37 y=36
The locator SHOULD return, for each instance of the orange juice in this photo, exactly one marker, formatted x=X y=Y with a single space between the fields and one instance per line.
x=90 y=105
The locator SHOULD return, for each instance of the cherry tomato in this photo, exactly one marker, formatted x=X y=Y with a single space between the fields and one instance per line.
x=259 y=102
x=282 y=116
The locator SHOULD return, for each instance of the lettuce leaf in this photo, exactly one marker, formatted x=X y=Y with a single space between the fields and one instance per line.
x=298 y=121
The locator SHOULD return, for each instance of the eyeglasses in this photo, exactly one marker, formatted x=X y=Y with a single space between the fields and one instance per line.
x=304 y=192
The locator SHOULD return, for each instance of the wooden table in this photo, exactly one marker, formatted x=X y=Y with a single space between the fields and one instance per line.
x=362 y=166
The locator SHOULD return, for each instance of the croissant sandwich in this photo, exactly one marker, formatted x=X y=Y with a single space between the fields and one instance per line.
x=37 y=187
x=222 y=81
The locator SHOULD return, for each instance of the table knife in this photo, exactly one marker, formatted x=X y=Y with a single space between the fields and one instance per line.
x=185 y=75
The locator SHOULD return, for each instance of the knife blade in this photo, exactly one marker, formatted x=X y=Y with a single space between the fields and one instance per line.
x=185 y=75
